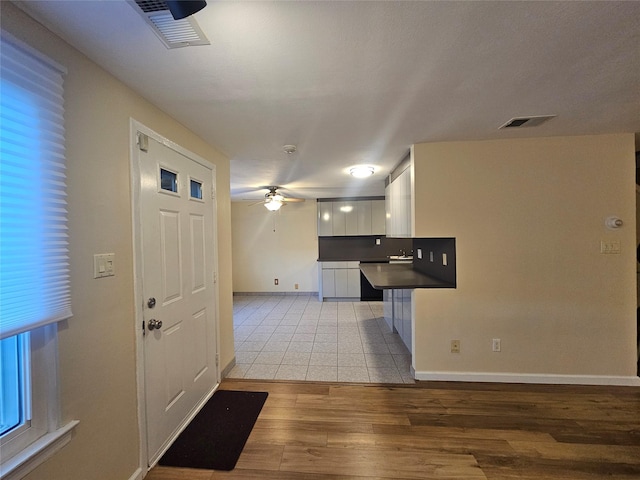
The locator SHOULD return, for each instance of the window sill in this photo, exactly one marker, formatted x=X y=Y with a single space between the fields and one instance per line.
x=37 y=453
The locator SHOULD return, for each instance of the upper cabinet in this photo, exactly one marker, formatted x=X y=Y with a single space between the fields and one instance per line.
x=398 y=197
x=351 y=217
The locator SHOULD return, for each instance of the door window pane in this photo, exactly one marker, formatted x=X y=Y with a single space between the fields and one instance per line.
x=196 y=189
x=168 y=180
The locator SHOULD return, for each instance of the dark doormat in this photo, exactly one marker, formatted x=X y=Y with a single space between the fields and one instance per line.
x=216 y=436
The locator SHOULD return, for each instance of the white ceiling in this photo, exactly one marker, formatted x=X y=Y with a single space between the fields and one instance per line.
x=358 y=82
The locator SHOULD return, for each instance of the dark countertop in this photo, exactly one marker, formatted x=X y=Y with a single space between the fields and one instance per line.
x=399 y=275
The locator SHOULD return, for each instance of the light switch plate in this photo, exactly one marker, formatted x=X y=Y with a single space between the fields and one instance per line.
x=104 y=265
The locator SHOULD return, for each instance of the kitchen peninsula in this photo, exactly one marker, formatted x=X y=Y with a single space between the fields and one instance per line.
x=399 y=275
x=433 y=265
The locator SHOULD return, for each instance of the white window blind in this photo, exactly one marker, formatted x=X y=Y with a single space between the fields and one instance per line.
x=34 y=259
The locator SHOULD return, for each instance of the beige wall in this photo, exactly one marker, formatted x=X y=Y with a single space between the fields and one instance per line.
x=282 y=245
x=528 y=217
x=97 y=345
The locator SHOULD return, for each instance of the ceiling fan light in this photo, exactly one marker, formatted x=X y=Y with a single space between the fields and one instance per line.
x=273 y=204
x=361 y=171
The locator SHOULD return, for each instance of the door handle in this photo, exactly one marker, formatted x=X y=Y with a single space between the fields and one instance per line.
x=154 y=324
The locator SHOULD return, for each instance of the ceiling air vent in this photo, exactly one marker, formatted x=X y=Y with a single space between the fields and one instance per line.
x=173 y=33
x=534 y=121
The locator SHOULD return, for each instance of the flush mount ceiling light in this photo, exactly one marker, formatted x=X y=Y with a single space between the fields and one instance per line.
x=361 y=171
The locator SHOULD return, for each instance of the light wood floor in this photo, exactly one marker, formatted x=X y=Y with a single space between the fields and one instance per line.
x=436 y=430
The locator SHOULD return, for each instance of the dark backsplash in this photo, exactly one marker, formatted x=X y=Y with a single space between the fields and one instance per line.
x=363 y=248
x=436 y=269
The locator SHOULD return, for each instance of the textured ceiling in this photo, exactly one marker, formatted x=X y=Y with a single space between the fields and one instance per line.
x=359 y=82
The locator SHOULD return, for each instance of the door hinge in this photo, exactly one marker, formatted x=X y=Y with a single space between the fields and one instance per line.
x=213 y=193
x=217 y=359
x=215 y=277
x=143 y=142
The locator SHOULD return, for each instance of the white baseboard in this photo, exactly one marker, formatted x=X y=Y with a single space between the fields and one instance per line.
x=137 y=475
x=528 y=378
x=228 y=368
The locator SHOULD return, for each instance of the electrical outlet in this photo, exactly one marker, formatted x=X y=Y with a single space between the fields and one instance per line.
x=296 y=286
x=455 y=346
x=496 y=346
x=275 y=281
x=610 y=247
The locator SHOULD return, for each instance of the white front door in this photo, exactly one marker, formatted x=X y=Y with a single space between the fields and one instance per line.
x=177 y=214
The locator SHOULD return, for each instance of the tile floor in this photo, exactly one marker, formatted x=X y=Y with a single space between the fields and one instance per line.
x=300 y=338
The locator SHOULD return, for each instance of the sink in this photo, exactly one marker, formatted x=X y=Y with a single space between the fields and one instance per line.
x=400 y=258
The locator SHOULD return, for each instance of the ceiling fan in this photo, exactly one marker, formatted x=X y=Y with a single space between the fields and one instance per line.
x=273 y=200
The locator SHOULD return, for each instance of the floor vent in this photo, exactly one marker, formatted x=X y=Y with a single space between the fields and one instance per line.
x=173 y=33
x=534 y=121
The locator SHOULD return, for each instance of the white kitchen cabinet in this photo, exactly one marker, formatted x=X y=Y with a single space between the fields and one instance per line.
x=351 y=210
x=378 y=217
x=398 y=205
x=325 y=219
x=328 y=283
x=339 y=220
x=406 y=318
x=397 y=312
x=363 y=214
x=388 y=207
x=351 y=218
x=387 y=298
x=353 y=282
x=340 y=280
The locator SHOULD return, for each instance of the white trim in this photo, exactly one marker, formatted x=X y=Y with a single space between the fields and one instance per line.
x=528 y=378
x=134 y=128
x=35 y=454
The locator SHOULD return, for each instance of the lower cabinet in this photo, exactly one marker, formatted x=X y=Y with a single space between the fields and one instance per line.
x=397 y=313
x=387 y=305
x=406 y=318
x=340 y=280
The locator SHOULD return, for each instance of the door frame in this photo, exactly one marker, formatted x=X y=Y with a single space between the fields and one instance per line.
x=134 y=163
